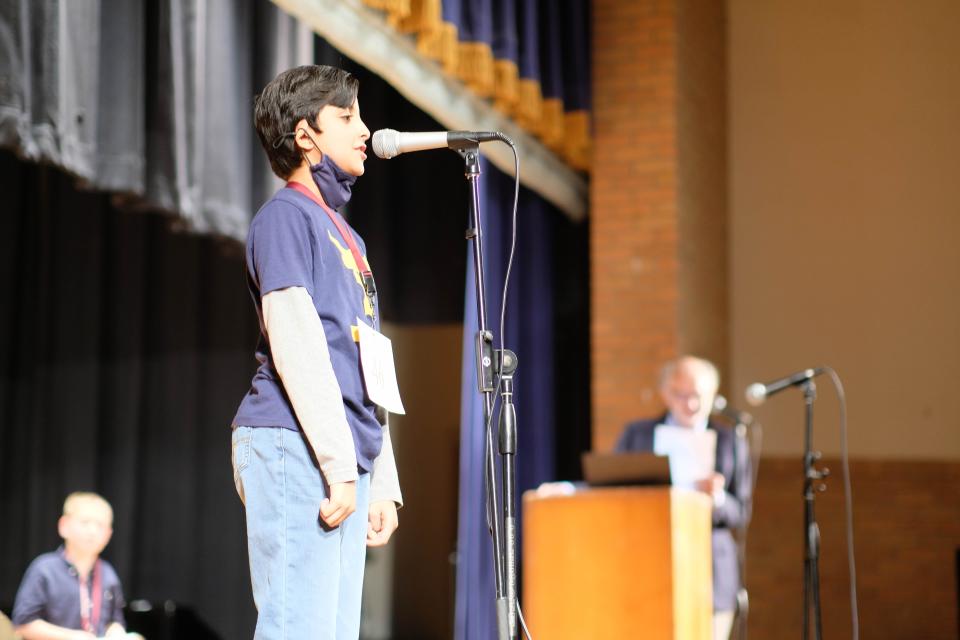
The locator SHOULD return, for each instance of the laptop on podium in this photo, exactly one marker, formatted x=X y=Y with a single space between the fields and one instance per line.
x=632 y=468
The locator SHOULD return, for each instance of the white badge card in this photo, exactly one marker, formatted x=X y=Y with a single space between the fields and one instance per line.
x=379 y=372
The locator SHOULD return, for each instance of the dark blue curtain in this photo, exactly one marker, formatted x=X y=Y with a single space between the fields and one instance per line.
x=505 y=42
x=528 y=332
x=476 y=23
x=551 y=50
x=576 y=54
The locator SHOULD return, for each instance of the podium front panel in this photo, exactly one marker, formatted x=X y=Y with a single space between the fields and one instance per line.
x=618 y=563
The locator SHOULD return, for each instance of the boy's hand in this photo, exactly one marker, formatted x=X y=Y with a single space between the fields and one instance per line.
x=341 y=503
x=381 y=523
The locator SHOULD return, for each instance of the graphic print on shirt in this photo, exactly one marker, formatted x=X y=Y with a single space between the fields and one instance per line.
x=346 y=256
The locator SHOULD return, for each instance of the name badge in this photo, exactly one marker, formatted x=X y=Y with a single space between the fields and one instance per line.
x=379 y=371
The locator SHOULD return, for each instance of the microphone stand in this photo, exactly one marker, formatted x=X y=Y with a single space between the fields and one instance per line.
x=811 y=530
x=744 y=483
x=504 y=561
x=743 y=456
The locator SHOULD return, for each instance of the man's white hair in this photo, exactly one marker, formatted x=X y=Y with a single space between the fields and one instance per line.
x=698 y=366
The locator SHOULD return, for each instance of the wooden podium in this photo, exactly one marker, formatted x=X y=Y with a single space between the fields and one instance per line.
x=620 y=563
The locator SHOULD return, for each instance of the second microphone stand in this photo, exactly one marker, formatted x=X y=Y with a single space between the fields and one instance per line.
x=811 y=530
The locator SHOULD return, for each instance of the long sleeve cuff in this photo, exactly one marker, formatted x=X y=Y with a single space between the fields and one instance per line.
x=384 y=480
x=335 y=472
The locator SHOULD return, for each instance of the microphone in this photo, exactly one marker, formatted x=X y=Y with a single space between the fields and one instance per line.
x=757 y=393
x=388 y=143
x=723 y=408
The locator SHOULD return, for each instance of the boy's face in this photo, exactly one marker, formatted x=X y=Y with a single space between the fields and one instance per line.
x=87 y=528
x=344 y=137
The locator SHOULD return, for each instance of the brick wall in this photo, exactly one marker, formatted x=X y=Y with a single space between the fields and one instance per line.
x=633 y=206
x=658 y=261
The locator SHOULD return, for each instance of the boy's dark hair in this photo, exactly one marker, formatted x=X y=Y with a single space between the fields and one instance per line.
x=295 y=94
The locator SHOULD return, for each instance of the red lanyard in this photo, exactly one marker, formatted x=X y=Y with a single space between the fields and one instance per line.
x=367 y=275
x=341 y=227
x=90 y=612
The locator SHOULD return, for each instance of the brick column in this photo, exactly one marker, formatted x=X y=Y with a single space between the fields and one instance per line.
x=658 y=200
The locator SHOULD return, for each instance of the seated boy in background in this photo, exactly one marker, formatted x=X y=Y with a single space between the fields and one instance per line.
x=72 y=593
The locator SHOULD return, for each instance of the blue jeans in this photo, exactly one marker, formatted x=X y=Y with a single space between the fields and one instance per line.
x=307 y=579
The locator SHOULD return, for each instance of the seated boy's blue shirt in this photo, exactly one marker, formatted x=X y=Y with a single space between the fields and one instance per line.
x=50 y=591
x=293 y=243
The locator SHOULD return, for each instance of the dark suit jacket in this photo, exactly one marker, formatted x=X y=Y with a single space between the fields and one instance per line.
x=638 y=436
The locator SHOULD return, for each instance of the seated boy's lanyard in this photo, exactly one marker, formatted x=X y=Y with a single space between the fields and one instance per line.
x=90 y=611
x=369 y=286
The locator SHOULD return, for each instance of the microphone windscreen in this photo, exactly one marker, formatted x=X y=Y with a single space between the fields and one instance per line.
x=719 y=403
x=386 y=143
x=755 y=394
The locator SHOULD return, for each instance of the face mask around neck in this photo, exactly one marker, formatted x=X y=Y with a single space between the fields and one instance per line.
x=335 y=184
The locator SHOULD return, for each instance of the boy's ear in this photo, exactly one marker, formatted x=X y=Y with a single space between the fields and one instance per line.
x=62 y=527
x=301 y=136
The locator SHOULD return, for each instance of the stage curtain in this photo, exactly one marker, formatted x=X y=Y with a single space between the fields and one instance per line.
x=530 y=105
x=124 y=349
x=576 y=82
x=147 y=98
x=506 y=53
x=551 y=74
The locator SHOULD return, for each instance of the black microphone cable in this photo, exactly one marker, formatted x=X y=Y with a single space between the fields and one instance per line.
x=848 y=501
x=503 y=301
x=503 y=308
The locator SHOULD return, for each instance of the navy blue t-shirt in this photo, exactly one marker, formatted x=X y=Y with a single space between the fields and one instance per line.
x=293 y=243
x=50 y=591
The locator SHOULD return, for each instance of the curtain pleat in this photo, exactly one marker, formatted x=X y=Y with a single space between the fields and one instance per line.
x=147 y=98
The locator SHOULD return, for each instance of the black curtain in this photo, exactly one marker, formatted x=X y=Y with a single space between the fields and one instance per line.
x=571 y=344
x=124 y=348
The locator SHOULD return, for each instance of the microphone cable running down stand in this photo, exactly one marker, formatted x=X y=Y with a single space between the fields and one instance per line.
x=748 y=435
x=503 y=533
x=485 y=375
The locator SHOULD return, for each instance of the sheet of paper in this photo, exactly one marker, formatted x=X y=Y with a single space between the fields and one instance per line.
x=692 y=453
x=379 y=372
